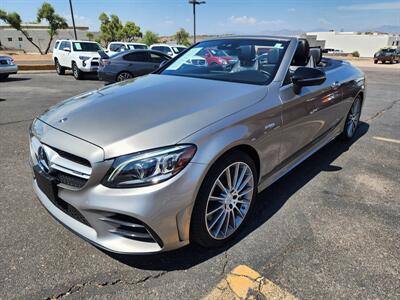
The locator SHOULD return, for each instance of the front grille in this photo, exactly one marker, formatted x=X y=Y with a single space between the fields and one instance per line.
x=131 y=228
x=95 y=63
x=72 y=157
x=69 y=210
x=70 y=180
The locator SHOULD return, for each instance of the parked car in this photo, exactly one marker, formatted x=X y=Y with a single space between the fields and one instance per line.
x=129 y=64
x=197 y=60
x=387 y=54
x=116 y=47
x=7 y=67
x=80 y=56
x=170 y=50
x=178 y=156
x=217 y=57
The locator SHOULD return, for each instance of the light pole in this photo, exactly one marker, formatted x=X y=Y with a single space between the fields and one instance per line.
x=73 y=19
x=194 y=3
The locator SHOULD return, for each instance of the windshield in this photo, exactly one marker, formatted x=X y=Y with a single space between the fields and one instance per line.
x=253 y=61
x=217 y=52
x=86 y=47
x=133 y=46
x=387 y=50
x=178 y=49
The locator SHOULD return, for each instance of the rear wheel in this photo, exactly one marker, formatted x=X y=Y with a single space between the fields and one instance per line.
x=375 y=61
x=352 y=120
x=225 y=200
x=59 y=69
x=123 y=76
x=3 y=76
x=78 y=74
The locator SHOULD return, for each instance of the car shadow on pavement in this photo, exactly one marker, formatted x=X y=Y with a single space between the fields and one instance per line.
x=269 y=202
x=9 y=79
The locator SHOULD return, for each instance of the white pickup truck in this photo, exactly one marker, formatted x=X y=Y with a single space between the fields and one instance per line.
x=79 y=56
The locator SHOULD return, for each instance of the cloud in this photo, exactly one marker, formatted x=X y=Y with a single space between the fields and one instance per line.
x=324 y=21
x=243 y=20
x=169 y=22
x=272 y=23
x=79 y=20
x=372 y=6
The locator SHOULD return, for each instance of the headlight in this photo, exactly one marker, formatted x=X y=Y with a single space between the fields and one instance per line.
x=84 y=58
x=149 y=167
x=222 y=61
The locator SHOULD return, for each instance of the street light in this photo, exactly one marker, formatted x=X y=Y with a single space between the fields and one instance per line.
x=73 y=19
x=194 y=3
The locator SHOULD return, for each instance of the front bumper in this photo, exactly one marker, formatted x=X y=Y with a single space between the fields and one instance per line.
x=162 y=210
x=9 y=69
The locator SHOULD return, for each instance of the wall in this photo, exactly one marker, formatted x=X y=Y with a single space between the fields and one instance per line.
x=39 y=35
x=365 y=44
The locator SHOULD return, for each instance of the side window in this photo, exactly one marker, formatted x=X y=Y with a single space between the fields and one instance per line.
x=156 y=58
x=62 y=46
x=288 y=78
x=158 y=48
x=56 y=45
x=137 y=56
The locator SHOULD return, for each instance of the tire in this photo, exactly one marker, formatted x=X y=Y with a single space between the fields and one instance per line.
x=3 y=76
x=59 y=69
x=375 y=61
x=124 y=75
x=78 y=74
x=218 y=227
x=352 y=120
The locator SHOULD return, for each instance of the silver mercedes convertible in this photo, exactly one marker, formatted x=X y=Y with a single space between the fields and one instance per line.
x=178 y=156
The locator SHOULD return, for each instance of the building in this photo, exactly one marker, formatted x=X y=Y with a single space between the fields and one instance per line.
x=12 y=39
x=365 y=43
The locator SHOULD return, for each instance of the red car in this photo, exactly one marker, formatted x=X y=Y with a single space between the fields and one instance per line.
x=216 y=57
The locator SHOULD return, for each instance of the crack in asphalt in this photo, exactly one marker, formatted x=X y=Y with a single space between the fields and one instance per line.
x=77 y=287
x=225 y=263
x=382 y=111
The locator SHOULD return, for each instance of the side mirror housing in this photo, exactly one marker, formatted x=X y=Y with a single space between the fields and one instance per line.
x=67 y=49
x=305 y=76
x=163 y=63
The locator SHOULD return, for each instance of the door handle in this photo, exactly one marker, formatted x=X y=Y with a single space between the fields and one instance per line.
x=336 y=84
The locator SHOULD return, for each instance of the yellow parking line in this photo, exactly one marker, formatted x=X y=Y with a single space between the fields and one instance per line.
x=386 y=139
x=245 y=283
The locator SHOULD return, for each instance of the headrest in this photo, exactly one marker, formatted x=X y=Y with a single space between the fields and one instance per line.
x=247 y=54
x=273 y=55
x=302 y=53
x=316 y=54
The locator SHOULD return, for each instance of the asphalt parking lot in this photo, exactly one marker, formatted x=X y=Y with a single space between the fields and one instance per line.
x=328 y=230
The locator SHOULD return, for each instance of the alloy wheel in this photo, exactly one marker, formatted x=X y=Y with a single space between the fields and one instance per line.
x=124 y=76
x=353 y=118
x=229 y=200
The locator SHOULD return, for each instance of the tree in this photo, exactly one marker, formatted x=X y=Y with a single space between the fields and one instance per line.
x=14 y=20
x=90 y=36
x=182 y=37
x=131 y=32
x=56 y=22
x=112 y=29
x=150 y=38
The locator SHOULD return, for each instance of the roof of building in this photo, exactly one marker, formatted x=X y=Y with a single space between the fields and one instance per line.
x=40 y=26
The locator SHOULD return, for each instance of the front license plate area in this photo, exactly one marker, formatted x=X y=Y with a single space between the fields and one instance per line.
x=46 y=183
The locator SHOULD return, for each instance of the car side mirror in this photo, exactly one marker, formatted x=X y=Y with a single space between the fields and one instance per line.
x=305 y=76
x=163 y=63
x=67 y=49
x=170 y=53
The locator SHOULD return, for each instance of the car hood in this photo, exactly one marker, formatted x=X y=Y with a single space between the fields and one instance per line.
x=149 y=112
x=89 y=54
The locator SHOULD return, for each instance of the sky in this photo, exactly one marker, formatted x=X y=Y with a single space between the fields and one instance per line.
x=165 y=17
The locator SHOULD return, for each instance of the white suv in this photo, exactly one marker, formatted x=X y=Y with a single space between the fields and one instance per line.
x=80 y=56
x=170 y=50
x=117 y=47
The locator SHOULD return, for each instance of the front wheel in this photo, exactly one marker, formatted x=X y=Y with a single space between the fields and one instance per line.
x=225 y=200
x=3 y=76
x=78 y=74
x=59 y=69
x=353 y=118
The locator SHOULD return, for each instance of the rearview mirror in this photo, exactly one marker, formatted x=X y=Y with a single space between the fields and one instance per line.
x=305 y=76
x=67 y=49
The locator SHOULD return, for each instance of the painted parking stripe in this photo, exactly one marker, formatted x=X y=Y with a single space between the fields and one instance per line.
x=386 y=139
x=245 y=283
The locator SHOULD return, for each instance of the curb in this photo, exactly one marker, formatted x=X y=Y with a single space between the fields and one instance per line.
x=45 y=67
